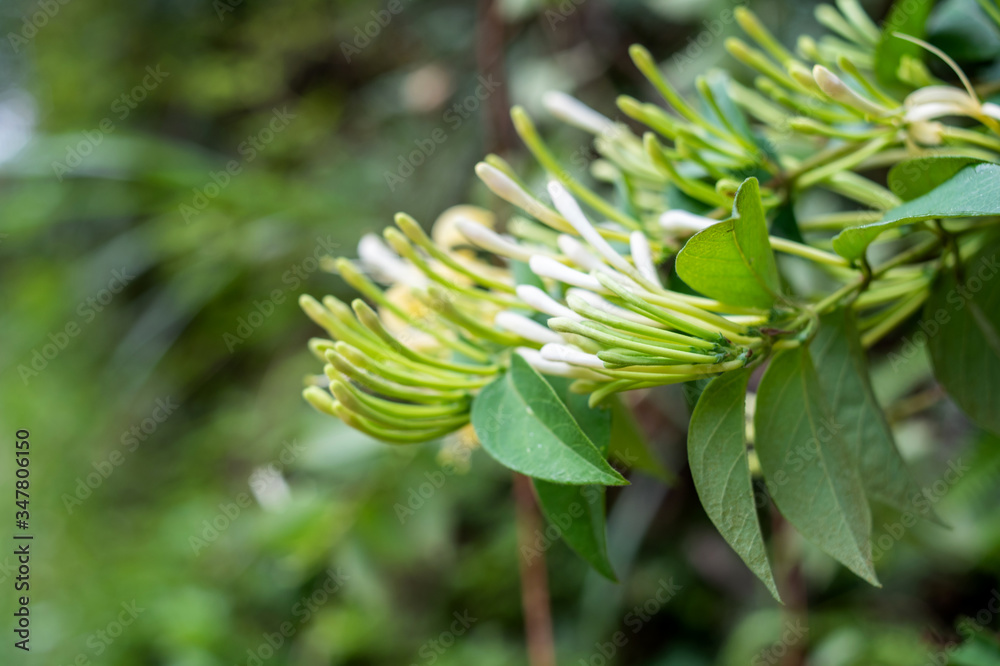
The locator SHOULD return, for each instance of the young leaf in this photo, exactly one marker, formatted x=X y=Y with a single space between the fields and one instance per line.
x=972 y=192
x=965 y=351
x=523 y=424
x=914 y=178
x=807 y=465
x=717 y=453
x=908 y=17
x=578 y=511
x=842 y=367
x=732 y=261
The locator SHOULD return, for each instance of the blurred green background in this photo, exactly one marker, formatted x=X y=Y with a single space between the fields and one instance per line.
x=170 y=172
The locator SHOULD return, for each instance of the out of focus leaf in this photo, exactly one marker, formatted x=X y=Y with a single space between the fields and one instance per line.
x=966 y=349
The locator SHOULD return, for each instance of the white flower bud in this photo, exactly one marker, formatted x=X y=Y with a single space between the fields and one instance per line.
x=526 y=328
x=574 y=112
x=544 y=303
x=547 y=267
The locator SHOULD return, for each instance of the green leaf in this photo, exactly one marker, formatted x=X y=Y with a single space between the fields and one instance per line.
x=594 y=421
x=963 y=30
x=717 y=453
x=965 y=352
x=914 y=178
x=732 y=261
x=523 y=424
x=972 y=192
x=842 y=367
x=908 y=17
x=578 y=512
x=629 y=446
x=808 y=466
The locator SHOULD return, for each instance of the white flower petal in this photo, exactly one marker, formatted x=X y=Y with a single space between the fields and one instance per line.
x=544 y=303
x=547 y=267
x=939 y=94
x=526 y=328
x=507 y=189
x=384 y=265
x=573 y=111
x=935 y=110
x=577 y=253
x=990 y=109
x=570 y=209
x=602 y=304
x=642 y=256
x=561 y=353
x=535 y=360
x=491 y=241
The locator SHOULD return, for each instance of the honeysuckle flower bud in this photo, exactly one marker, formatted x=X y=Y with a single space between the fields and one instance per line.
x=384 y=265
x=526 y=328
x=574 y=112
x=565 y=354
x=504 y=187
x=839 y=91
x=539 y=300
x=599 y=302
x=681 y=223
x=642 y=256
x=547 y=267
x=577 y=253
x=570 y=209
x=269 y=488
x=535 y=360
x=491 y=241
x=445 y=231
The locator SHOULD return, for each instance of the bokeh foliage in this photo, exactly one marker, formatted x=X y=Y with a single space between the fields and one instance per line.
x=319 y=183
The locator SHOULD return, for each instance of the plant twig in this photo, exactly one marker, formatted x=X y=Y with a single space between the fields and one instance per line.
x=534 y=577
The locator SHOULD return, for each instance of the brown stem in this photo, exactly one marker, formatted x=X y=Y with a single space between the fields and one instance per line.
x=534 y=577
x=490 y=63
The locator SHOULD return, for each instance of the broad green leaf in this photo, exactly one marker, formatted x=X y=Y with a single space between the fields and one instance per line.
x=842 y=367
x=965 y=348
x=914 y=178
x=629 y=446
x=908 y=17
x=594 y=421
x=732 y=261
x=717 y=454
x=972 y=192
x=808 y=466
x=963 y=30
x=578 y=512
x=524 y=425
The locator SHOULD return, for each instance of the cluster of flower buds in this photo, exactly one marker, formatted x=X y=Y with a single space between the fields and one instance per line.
x=588 y=300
